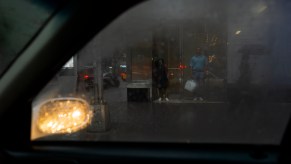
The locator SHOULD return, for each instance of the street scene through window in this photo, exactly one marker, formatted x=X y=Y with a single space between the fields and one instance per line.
x=187 y=71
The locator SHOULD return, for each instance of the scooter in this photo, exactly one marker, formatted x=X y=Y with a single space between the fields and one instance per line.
x=86 y=79
x=110 y=80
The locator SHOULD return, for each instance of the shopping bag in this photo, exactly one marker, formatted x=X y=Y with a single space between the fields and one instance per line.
x=190 y=85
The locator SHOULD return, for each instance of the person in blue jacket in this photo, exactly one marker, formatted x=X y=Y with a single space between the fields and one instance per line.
x=198 y=65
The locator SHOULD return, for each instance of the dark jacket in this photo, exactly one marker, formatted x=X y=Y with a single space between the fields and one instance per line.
x=160 y=74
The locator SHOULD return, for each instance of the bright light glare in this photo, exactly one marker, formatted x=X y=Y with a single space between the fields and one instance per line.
x=237 y=32
x=63 y=115
x=70 y=63
x=76 y=114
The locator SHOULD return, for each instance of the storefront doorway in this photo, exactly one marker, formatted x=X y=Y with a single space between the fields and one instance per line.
x=176 y=43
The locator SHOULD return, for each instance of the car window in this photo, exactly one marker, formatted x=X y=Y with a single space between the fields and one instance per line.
x=31 y=15
x=189 y=71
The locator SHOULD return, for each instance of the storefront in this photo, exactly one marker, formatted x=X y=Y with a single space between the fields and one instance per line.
x=176 y=43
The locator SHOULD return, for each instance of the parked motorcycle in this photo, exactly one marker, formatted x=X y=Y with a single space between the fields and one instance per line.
x=110 y=80
x=86 y=79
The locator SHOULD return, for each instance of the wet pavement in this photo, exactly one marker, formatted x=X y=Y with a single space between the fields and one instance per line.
x=193 y=122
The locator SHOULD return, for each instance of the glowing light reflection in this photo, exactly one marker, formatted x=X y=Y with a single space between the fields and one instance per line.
x=63 y=116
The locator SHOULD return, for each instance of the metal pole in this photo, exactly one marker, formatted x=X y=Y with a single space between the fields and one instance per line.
x=181 y=57
x=98 y=82
x=101 y=118
x=76 y=68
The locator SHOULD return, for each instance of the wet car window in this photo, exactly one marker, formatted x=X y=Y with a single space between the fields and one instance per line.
x=189 y=71
x=20 y=21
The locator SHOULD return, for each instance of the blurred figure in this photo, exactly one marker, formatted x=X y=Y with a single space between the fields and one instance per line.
x=199 y=66
x=160 y=78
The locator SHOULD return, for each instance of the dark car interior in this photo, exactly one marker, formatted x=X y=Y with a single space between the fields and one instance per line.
x=68 y=29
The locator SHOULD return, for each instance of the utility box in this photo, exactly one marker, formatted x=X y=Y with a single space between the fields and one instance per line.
x=100 y=118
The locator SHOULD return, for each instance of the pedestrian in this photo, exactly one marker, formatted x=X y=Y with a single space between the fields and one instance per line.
x=199 y=67
x=160 y=78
